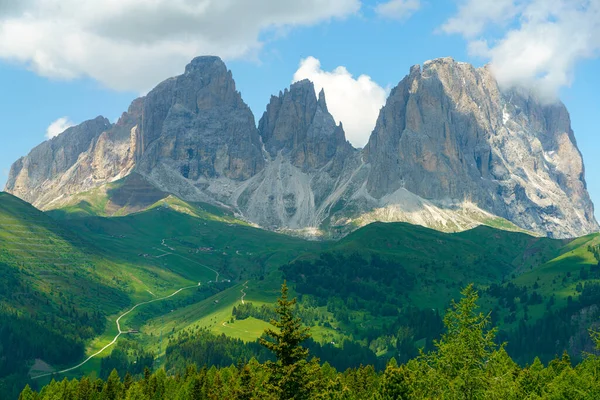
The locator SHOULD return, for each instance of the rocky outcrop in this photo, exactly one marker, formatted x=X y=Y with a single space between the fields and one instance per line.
x=309 y=159
x=83 y=157
x=306 y=158
x=448 y=133
x=450 y=150
x=186 y=131
x=197 y=125
x=298 y=125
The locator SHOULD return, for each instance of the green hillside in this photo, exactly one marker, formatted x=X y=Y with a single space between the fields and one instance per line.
x=383 y=288
x=46 y=306
x=130 y=194
x=449 y=261
x=421 y=269
x=72 y=286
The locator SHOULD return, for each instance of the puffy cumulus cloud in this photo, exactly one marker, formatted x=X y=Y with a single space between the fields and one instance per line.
x=58 y=127
x=398 y=9
x=133 y=44
x=353 y=101
x=541 y=43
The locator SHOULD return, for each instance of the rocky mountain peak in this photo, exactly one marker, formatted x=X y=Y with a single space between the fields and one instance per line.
x=298 y=123
x=196 y=126
x=30 y=177
x=449 y=133
x=322 y=102
x=203 y=64
x=415 y=70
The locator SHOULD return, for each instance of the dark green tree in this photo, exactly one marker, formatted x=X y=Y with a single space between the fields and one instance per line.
x=113 y=388
x=457 y=369
x=395 y=384
x=246 y=389
x=85 y=389
x=291 y=374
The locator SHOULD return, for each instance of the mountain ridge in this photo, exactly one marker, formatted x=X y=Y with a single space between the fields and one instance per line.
x=450 y=150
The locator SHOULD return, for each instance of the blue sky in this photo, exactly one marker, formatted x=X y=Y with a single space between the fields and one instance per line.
x=43 y=79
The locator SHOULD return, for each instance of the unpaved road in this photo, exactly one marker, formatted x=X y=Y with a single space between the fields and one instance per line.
x=245 y=286
x=243 y=291
x=163 y=243
x=118 y=334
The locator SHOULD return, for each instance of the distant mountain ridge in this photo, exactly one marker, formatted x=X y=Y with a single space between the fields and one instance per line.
x=450 y=150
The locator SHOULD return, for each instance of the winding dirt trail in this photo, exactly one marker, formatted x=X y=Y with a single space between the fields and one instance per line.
x=118 y=322
x=120 y=331
x=243 y=291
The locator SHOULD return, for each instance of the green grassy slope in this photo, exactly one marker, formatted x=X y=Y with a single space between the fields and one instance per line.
x=574 y=256
x=53 y=295
x=130 y=194
x=73 y=285
x=443 y=264
x=194 y=242
x=94 y=264
x=200 y=244
x=51 y=260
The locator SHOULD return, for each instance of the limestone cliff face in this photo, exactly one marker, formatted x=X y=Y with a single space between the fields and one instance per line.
x=298 y=125
x=188 y=130
x=197 y=126
x=450 y=150
x=308 y=159
x=83 y=157
x=447 y=133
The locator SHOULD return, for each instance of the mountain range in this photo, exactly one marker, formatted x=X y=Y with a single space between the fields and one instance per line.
x=450 y=150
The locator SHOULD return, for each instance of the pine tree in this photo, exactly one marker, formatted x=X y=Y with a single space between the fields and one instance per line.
x=395 y=384
x=457 y=368
x=113 y=388
x=136 y=392
x=195 y=388
x=287 y=342
x=84 y=391
x=127 y=381
x=246 y=388
x=290 y=374
x=27 y=394
x=216 y=388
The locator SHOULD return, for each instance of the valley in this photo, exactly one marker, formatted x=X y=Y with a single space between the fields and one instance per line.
x=149 y=277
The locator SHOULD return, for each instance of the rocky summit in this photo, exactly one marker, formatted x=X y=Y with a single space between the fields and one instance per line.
x=450 y=150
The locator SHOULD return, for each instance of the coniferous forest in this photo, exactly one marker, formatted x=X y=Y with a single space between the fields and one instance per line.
x=467 y=362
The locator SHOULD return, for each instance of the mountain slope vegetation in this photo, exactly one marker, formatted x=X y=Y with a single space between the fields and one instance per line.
x=465 y=364
x=382 y=291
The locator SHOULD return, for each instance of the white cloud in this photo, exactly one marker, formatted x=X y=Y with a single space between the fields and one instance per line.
x=542 y=44
x=475 y=15
x=133 y=44
x=354 y=102
x=398 y=9
x=58 y=127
